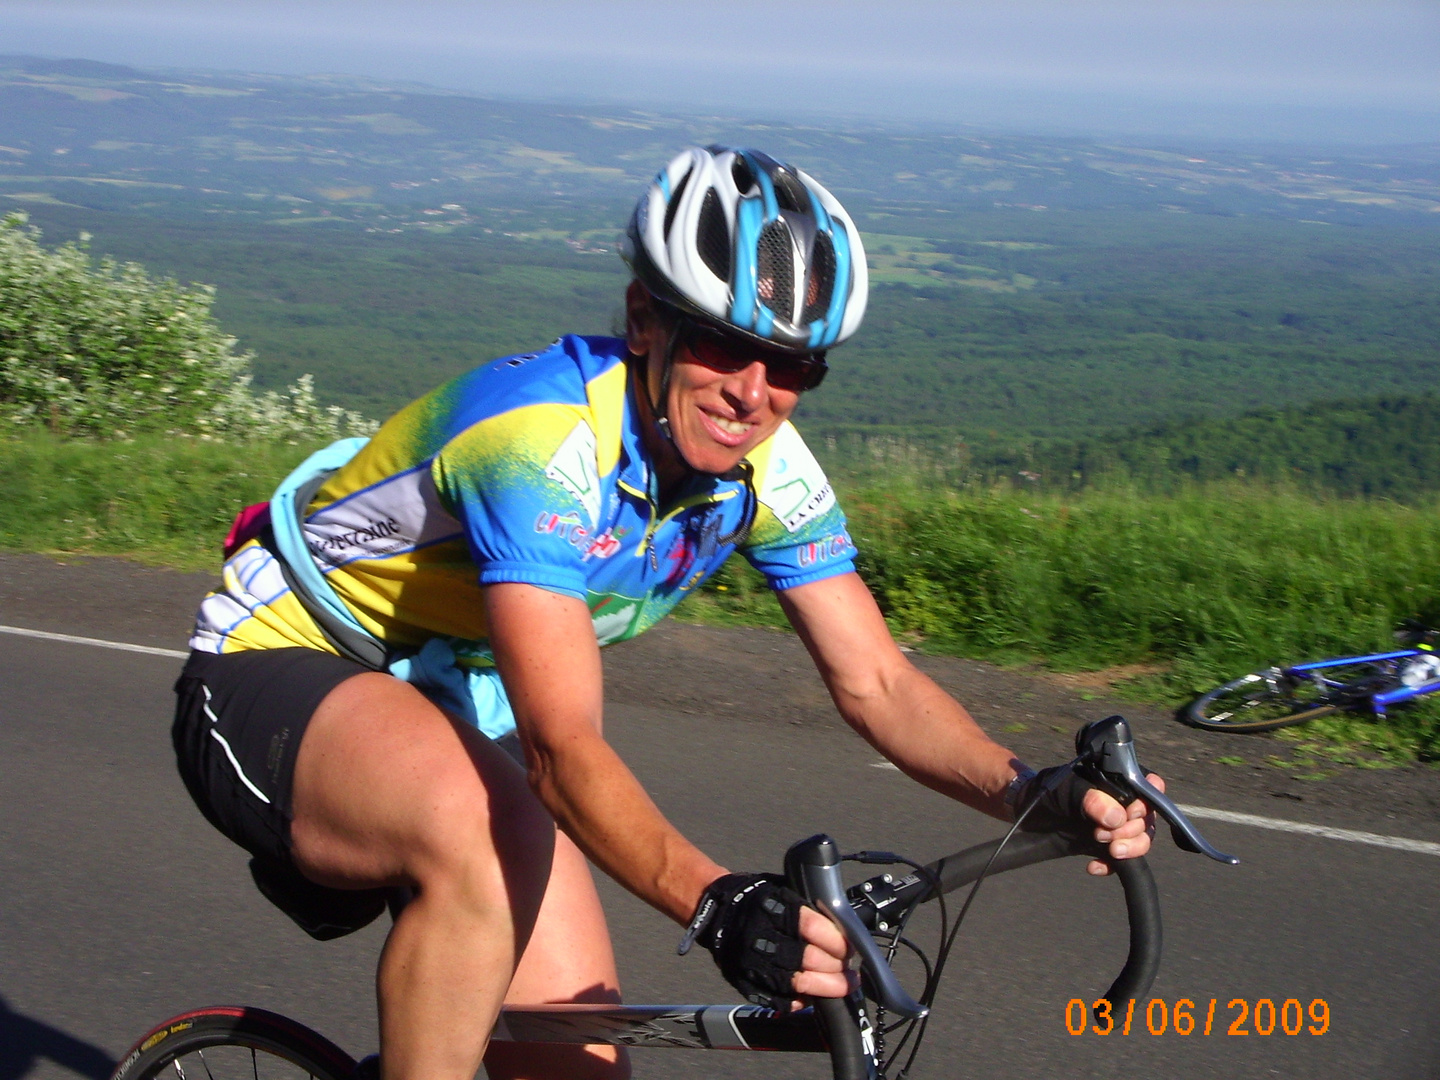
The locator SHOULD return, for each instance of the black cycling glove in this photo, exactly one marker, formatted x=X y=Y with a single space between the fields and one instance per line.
x=751 y=925
x=1058 y=802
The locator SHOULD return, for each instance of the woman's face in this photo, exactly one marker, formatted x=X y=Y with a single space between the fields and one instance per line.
x=716 y=416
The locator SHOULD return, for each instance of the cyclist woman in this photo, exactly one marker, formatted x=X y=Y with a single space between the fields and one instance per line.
x=421 y=617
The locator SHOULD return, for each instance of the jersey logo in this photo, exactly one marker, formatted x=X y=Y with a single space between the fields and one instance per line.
x=395 y=516
x=614 y=617
x=574 y=468
x=795 y=487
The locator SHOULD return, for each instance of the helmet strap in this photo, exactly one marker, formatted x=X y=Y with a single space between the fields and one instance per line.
x=661 y=407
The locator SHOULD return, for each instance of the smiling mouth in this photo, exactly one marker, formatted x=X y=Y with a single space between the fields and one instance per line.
x=732 y=427
x=725 y=430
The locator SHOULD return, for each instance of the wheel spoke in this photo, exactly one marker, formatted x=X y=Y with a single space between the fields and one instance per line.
x=1247 y=704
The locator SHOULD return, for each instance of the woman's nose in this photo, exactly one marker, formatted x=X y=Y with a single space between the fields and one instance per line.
x=749 y=386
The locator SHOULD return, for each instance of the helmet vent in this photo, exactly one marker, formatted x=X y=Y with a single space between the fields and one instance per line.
x=740 y=172
x=822 y=280
x=789 y=195
x=775 y=269
x=675 y=201
x=713 y=237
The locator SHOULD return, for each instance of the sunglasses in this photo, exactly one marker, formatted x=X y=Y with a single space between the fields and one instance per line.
x=730 y=352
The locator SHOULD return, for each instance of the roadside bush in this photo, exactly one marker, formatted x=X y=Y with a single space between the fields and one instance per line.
x=1210 y=582
x=107 y=351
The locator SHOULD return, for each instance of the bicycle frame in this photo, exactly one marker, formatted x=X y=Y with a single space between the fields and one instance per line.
x=683 y=1027
x=1378 y=702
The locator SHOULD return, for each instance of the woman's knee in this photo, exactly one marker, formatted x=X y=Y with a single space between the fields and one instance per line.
x=478 y=845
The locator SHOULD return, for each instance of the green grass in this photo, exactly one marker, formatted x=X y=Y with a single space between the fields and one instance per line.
x=168 y=501
x=1208 y=580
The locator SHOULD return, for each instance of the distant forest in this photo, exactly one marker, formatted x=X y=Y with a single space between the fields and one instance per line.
x=1385 y=447
x=1082 y=325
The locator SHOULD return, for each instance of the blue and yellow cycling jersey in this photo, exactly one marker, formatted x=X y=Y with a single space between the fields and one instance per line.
x=529 y=469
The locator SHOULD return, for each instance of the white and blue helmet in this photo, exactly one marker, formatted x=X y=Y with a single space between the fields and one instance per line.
x=737 y=239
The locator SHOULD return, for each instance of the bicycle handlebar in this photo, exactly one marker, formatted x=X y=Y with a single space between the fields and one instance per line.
x=813 y=867
x=1105 y=755
x=1142 y=898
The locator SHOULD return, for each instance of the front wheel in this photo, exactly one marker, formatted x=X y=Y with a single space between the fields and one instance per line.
x=230 y=1043
x=1261 y=701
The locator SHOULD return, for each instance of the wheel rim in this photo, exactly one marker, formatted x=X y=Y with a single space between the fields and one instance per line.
x=233 y=1062
x=1256 y=702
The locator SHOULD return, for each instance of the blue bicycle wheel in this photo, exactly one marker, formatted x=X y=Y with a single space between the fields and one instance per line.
x=1264 y=701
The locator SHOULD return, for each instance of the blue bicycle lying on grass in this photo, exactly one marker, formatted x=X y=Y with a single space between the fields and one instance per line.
x=1280 y=696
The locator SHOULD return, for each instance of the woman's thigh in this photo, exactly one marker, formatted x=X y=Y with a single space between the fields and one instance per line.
x=389 y=789
x=568 y=959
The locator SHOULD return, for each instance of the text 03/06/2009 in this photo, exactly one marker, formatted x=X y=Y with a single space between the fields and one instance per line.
x=1238 y=1016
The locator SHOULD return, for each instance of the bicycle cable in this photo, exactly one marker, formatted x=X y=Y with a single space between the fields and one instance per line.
x=948 y=933
x=948 y=941
x=897 y=938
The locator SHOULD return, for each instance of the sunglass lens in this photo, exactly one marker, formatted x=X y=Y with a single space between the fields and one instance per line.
x=781 y=371
x=791 y=375
x=712 y=352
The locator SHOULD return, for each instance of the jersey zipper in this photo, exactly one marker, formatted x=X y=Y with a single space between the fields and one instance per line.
x=657 y=519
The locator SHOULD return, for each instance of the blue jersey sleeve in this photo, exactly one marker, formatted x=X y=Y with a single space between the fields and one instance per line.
x=524 y=486
x=799 y=535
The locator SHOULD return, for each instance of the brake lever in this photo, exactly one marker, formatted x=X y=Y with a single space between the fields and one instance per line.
x=813 y=868
x=1105 y=756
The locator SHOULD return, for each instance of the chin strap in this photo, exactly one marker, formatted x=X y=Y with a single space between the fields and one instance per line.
x=741 y=532
x=661 y=408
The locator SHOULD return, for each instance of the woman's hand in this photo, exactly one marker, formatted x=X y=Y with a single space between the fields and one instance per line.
x=1126 y=829
x=825 y=972
x=768 y=943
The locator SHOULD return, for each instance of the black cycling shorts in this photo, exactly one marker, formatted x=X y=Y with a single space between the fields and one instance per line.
x=239 y=719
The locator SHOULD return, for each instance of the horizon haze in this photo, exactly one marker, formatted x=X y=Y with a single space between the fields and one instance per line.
x=1273 y=70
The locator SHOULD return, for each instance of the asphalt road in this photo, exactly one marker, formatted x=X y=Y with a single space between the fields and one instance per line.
x=119 y=905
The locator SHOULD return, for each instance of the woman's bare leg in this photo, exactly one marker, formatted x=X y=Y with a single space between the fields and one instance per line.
x=390 y=790
x=568 y=959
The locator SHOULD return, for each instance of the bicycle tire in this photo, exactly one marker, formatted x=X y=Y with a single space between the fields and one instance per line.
x=231 y=1043
x=1259 y=702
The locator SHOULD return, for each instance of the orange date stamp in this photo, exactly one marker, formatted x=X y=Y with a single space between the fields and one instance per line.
x=1240 y=1016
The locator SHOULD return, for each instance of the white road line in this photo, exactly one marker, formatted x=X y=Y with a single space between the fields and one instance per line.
x=1353 y=836
x=122 y=646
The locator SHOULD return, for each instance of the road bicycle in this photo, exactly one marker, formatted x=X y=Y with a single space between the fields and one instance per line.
x=874 y=1034
x=1280 y=696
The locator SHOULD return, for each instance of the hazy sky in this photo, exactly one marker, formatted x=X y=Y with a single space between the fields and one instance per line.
x=1262 y=68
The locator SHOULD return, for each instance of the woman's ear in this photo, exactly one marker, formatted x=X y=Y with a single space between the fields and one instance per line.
x=639 y=319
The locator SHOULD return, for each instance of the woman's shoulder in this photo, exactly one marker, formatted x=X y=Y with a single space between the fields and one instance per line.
x=789 y=481
x=561 y=374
